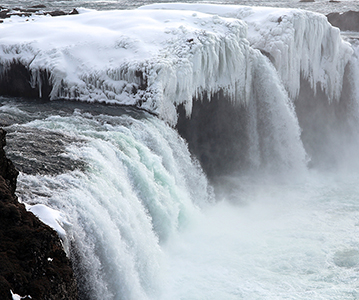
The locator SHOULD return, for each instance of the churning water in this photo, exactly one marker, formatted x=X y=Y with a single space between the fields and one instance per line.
x=141 y=222
x=142 y=219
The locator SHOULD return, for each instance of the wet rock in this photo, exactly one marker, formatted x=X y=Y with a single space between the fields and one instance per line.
x=56 y=13
x=38 y=6
x=7 y=169
x=16 y=81
x=33 y=262
x=32 y=10
x=74 y=12
x=347 y=21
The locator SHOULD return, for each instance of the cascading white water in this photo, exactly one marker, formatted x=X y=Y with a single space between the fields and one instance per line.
x=140 y=186
x=140 y=223
x=270 y=241
x=139 y=214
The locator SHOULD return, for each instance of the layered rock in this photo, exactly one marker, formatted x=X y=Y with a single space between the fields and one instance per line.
x=32 y=260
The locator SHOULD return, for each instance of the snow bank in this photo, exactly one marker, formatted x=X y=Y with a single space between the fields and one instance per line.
x=151 y=59
x=50 y=217
x=299 y=42
x=157 y=58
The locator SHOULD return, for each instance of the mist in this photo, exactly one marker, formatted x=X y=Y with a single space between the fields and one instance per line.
x=234 y=173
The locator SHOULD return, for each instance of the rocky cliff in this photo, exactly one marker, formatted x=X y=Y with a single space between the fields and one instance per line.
x=32 y=261
x=347 y=21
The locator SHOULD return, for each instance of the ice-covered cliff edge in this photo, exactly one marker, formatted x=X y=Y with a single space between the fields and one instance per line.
x=151 y=59
x=156 y=59
x=32 y=259
x=298 y=42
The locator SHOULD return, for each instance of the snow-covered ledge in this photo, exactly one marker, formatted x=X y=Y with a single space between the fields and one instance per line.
x=156 y=59
x=299 y=42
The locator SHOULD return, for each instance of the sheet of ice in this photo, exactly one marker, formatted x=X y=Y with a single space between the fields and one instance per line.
x=298 y=41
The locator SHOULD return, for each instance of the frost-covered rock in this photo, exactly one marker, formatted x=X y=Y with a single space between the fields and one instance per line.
x=164 y=55
x=32 y=10
x=151 y=59
x=299 y=43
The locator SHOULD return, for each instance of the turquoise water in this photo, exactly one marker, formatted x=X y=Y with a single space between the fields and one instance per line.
x=143 y=221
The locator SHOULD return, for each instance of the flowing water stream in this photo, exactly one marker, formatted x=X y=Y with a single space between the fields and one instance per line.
x=265 y=208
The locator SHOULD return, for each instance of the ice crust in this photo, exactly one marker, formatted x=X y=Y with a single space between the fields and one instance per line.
x=299 y=42
x=163 y=55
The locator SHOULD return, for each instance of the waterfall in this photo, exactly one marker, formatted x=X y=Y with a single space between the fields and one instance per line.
x=209 y=186
x=139 y=187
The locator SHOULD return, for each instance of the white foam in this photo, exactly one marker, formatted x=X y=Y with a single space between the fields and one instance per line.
x=139 y=188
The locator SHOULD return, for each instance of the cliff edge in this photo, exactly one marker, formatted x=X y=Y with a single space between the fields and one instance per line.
x=33 y=263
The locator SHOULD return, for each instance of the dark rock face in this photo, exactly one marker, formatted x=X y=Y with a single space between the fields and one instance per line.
x=345 y=21
x=32 y=260
x=329 y=128
x=28 y=12
x=210 y=131
x=7 y=169
x=16 y=82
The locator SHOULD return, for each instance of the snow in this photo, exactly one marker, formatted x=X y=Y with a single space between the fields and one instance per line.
x=163 y=55
x=15 y=296
x=299 y=42
x=56 y=220
x=106 y=56
x=18 y=297
x=50 y=217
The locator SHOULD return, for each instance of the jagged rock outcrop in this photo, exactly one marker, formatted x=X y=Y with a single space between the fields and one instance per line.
x=32 y=260
x=347 y=21
x=28 y=12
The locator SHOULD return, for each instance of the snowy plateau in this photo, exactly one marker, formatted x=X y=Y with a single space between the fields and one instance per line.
x=162 y=55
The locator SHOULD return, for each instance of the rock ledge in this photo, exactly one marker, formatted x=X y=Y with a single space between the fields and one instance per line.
x=33 y=263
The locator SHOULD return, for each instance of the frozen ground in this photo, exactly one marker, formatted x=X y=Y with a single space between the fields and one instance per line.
x=322 y=6
x=161 y=56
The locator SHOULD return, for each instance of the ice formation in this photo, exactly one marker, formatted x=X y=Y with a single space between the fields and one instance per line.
x=142 y=186
x=299 y=42
x=156 y=58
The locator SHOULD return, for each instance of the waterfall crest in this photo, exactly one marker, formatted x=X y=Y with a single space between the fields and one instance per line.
x=219 y=93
